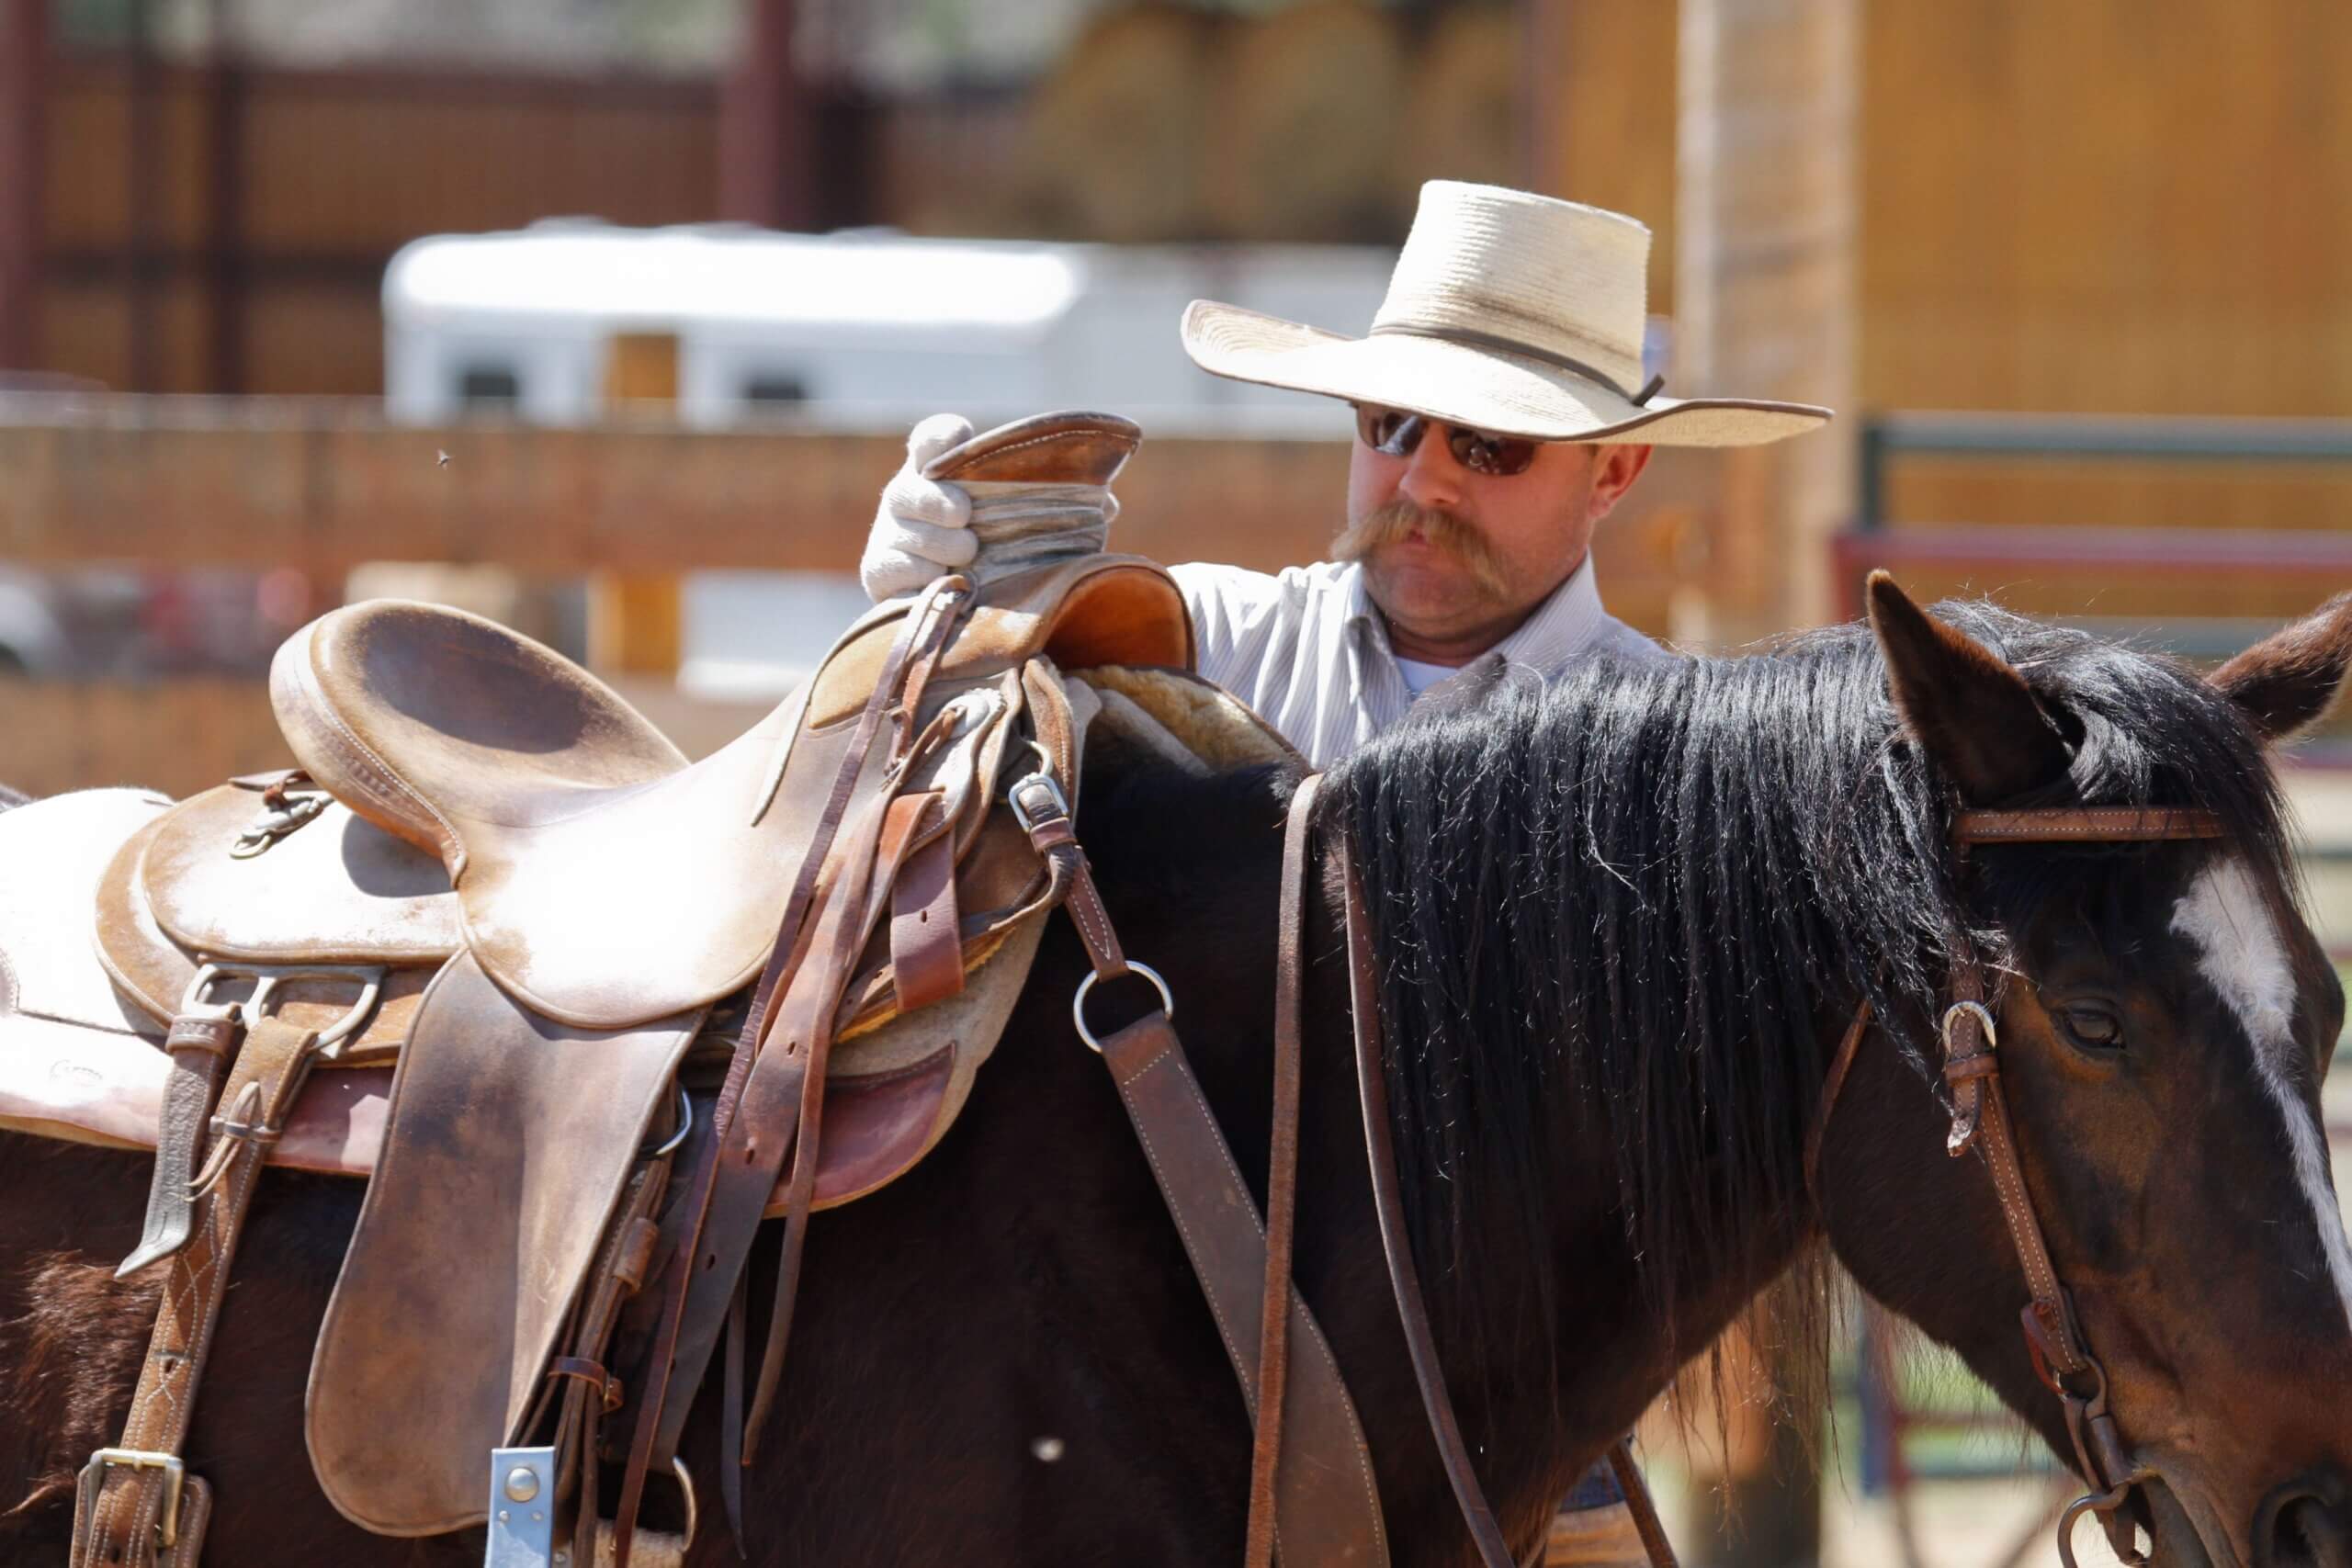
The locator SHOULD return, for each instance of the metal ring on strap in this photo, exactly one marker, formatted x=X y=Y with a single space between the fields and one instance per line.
x=1078 y=1002
x=685 y=1125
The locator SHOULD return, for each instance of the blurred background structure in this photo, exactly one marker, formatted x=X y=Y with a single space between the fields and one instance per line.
x=608 y=316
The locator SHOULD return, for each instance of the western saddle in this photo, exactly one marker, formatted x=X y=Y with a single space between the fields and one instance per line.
x=633 y=1007
x=598 y=974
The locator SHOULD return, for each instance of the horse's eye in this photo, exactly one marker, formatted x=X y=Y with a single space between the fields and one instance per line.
x=2092 y=1028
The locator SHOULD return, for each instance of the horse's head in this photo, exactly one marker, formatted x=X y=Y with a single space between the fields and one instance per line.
x=2165 y=1018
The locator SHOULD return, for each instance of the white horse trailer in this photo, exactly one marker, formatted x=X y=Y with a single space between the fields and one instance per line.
x=864 y=330
x=861 y=330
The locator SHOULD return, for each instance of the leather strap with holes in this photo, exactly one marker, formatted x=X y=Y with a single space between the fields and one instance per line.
x=133 y=1506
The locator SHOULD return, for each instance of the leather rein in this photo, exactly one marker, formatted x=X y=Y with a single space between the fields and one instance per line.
x=2053 y=1337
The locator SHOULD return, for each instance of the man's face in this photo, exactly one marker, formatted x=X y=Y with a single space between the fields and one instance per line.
x=1455 y=558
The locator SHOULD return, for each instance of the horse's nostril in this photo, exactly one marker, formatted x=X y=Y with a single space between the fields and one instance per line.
x=2306 y=1531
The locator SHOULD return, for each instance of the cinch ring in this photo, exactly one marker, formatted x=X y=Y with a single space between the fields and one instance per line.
x=1078 y=1002
x=685 y=1125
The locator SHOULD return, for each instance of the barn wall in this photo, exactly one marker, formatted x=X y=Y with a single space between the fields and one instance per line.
x=2105 y=206
x=272 y=199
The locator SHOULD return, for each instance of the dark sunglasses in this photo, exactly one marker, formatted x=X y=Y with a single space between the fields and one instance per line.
x=1393 y=432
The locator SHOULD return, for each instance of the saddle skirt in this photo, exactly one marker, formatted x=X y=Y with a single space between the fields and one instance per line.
x=81 y=1019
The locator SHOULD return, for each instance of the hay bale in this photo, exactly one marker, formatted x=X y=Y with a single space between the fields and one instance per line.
x=1463 y=105
x=1113 y=144
x=1309 y=111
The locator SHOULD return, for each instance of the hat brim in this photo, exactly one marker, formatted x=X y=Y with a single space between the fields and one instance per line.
x=1486 y=388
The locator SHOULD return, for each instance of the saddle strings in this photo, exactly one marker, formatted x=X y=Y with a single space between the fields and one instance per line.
x=1020 y=524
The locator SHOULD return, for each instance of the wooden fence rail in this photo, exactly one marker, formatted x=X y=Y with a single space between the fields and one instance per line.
x=324 y=486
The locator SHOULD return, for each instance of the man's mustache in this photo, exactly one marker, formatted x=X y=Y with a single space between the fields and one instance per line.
x=1401 y=519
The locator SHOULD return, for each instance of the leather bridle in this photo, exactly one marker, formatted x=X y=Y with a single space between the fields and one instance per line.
x=2054 y=1337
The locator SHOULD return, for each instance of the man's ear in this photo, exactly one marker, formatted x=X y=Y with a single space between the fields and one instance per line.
x=1614 y=469
x=2286 y=682
x=1961 y=703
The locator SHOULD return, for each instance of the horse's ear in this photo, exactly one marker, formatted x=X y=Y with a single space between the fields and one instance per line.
x=2286 y=682
x=1962 y=702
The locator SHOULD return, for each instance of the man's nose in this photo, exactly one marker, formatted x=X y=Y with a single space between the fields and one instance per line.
x=1433 y=478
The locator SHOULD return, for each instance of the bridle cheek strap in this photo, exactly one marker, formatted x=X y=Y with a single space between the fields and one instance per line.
x=1971 y=1040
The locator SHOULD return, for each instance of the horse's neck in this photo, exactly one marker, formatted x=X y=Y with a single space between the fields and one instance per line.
x=1612 y=1355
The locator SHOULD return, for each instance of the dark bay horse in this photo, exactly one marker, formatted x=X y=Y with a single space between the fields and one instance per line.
x=1621 y=925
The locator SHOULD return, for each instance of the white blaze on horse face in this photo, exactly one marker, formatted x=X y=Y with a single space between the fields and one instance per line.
x=2242 y=957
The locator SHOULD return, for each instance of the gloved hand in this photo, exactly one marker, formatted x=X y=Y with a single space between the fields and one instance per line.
x=922 y=527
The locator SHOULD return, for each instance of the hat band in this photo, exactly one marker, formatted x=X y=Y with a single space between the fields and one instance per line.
x=1467 y=338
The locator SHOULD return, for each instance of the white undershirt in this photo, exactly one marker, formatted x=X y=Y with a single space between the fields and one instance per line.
x=1420 y=677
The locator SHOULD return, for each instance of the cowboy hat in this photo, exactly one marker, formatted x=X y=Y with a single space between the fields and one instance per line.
x=1508 y=312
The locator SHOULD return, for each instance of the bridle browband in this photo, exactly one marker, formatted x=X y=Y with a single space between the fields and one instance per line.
x=2061 y=1360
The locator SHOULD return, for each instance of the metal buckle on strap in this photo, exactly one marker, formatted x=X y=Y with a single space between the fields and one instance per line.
x=1036 y=798
x=1961 y=1072
x=268 y=977
x=167 y=1523
x=1984 y=1017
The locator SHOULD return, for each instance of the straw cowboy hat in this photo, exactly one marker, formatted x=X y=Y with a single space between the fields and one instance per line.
x=1508 y=312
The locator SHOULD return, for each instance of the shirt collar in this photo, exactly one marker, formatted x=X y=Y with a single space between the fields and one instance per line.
x=1561 y=627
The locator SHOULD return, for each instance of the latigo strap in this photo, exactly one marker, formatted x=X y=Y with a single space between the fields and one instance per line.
x=1326 y=1501
x=135 y=1503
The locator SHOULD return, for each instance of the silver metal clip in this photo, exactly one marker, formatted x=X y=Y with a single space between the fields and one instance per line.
x=522 y=1508
x=277 y=822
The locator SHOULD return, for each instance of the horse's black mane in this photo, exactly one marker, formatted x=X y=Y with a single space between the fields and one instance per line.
x=1621 y=905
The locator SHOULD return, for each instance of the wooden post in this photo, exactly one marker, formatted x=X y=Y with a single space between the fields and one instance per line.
x=1765 y=208
x=142 y=184
x=637 y=620
x=23 y=68
x=767 y=126
x=1765 y=215
x=225 y=224
x=1598 y=117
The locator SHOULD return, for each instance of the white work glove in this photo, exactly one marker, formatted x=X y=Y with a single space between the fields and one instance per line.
x=922 y=527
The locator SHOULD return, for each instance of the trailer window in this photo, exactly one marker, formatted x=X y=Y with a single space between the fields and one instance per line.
x=775 y=388
x=489 y=387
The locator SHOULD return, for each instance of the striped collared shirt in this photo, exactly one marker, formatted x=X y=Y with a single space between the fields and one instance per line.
x=1309 y=651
